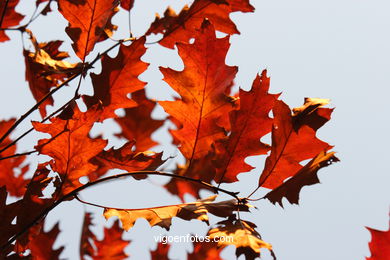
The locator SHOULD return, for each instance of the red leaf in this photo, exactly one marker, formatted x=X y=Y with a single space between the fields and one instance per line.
x=7 y=215
x=41 y=246
x=89 y=22
x=379 y=245
x=137 y=124
x=127 y=4
x=182 y=27
x=292 y=142
x=161 y=252
x=206 y=251
x=201 y=85
x=11 y=17
x=112 y=246
x=248 y=124
x=15 y=183
x=70 y=146
x=119 y=77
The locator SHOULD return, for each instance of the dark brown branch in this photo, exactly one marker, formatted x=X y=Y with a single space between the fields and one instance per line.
x=17 y=155
x=73 y=194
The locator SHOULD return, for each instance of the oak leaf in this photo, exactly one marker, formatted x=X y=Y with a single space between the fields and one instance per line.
x=379 y=245
x=242 y=235
x=137 y=124
x=15 y=183
x=11 y=17
x=249 y=123
x=201 y=85
x=124 y=158
x=205 y=251
x=305 y=176
x=161 y=252
x=183 y=26
x=70 y=145
x=162 y=216
x=45 y=68
x=292 y=142
x=89 y=22
x=119 y=77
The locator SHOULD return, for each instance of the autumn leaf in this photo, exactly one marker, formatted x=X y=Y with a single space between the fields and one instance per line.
x=124 y=158
x=14 y=182
x=137 y=124
x=292 y=142
x=41 y=246
x=242 y=235
x=46 y=68
x=8 y=212
x=11 y=17
x=161 y=252
x=379 y=245
x=205 y=251
x=89 y=22
x=162 y=216
x=112 y=246
x=201 y=85
x=249 y=124
x=183 y=26
x=70 y=146
x=87 y=238
x=305 y=176
x=119 y=77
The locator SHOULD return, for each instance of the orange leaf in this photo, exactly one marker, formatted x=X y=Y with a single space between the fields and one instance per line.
x=162 y=216
x=45 y=69
x=306 y=176
x=11 y=17
x=126 y=159
x=182 y=27
x=89 y=22
x=119 y=77
x=248 y=124
x=242 y=235
x=137 y=124
x=379 y=245
x=292 y=142
x=70 y=146
x=201 y=85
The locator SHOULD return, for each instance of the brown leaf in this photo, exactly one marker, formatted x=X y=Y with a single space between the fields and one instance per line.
x=89 y=22
x=137 y=124
x=249 y=123
x=162 y=216
x=183 y=26
x=290 y=146
x=242 y=235
x=45 y=68
x=119 y=77
x=201 y=85
x=87 y=238
x=305 y=176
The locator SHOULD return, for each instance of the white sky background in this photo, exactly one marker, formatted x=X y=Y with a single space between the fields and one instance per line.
x=337 y=49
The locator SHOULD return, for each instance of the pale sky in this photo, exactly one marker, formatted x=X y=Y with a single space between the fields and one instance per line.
x=337 y=49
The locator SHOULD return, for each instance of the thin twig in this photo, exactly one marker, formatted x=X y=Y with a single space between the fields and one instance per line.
x=74 y=193
x=17 y=155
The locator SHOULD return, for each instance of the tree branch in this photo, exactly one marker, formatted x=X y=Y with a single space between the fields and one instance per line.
x=73 y=194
